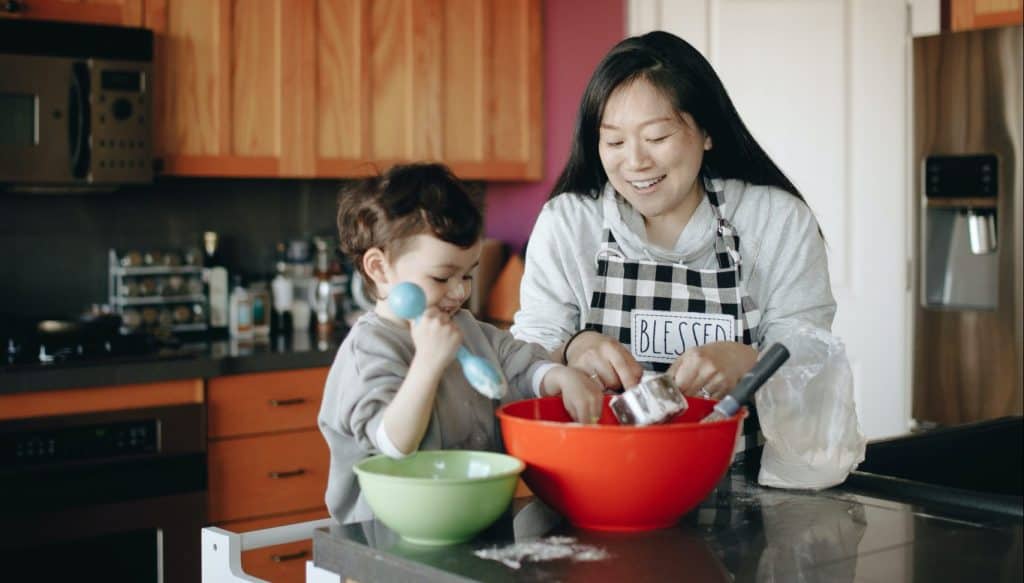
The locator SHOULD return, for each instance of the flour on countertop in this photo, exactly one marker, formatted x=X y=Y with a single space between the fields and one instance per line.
x=546 y=549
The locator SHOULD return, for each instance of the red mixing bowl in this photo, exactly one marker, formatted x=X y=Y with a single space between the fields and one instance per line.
x=618 y=477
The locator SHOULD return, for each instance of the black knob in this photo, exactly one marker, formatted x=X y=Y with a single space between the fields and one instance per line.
x=13 y=6
x=122 y=109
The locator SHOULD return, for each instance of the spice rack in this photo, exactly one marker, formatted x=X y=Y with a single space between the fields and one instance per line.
x=163 y=295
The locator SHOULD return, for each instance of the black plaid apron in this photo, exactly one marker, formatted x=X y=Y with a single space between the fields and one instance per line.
x=641 y=301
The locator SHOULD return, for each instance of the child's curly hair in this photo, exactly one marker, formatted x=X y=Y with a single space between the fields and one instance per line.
x=411 y=199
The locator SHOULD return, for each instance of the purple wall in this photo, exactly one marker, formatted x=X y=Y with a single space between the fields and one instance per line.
x=577 y=33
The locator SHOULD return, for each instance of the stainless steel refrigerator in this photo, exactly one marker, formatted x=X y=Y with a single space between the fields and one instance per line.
x=967 y=119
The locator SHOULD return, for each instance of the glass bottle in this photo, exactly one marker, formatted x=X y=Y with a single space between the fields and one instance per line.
x=215 y=275
x=283 y=292
x=240 y=312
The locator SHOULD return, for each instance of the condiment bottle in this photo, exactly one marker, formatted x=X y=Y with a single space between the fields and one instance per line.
x=241 y=312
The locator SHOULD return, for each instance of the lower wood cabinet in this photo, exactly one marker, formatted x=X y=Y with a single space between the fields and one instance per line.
x=268 y=462
x=280 y=563
x=266 y=475
x=267 y=402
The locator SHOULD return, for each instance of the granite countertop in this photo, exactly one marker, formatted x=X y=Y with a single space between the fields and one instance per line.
x=190 y=360
x=742 y=532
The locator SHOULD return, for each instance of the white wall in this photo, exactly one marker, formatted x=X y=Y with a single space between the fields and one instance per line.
x=823 y=85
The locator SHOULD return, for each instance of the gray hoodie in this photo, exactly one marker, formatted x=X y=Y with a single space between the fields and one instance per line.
x=370 y=366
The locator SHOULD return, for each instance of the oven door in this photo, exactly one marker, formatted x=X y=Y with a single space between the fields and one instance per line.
x=144 y=540
x=107 y=496
x=44 y=121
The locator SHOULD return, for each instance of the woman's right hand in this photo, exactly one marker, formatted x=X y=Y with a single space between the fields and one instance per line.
x=437 y=338
x=607 y=361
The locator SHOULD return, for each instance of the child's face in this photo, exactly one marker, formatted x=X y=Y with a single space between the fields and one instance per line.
x=444 y=271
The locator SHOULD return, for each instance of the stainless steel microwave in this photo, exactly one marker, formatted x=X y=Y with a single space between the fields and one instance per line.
x=75 y=104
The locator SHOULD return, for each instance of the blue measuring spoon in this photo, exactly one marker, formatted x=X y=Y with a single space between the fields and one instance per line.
x=408 y=301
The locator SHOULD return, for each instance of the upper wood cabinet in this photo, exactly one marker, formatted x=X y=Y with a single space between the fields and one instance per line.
x=959 y=15
x=114 y=12
x=342 y=88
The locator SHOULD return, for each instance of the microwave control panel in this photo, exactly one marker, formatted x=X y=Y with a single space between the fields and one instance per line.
x=121 y=141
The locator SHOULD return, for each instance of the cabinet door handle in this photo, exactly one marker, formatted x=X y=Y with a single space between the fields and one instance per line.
x=286 y=402
x=291 y=557
x=288 y=474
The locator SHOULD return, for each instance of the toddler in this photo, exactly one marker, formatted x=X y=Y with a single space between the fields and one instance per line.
x=395 y=386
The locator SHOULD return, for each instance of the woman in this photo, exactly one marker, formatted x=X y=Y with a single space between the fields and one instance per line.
x=671 y=241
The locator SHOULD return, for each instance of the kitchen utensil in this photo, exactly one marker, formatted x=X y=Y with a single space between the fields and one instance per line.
x=653 y=400
x=765 y=367
x=91 y=325
x=439 y=497
x=619 y=477
x=408 y=301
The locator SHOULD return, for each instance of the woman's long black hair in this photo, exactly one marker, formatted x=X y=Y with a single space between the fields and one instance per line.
x=685 y=77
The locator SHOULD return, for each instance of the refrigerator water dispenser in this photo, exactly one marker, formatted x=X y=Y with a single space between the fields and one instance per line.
x=959 y=239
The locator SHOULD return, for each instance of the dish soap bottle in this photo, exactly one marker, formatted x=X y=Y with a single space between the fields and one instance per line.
x=241 y=312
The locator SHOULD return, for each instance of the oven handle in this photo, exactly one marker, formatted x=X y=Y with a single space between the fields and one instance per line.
x=79 y=119
x=288 y=474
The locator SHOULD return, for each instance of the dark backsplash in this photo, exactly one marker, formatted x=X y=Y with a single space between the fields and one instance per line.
x=54 y=259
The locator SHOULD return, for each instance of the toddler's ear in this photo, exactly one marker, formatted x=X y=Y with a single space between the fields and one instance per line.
x=376 y=267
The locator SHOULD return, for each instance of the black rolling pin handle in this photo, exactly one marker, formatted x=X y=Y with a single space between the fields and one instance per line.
x=765 y=367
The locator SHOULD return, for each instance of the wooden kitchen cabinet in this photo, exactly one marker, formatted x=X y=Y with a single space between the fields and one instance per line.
x=267 y=474
x=268 y=462
x=95 y=399
x=112 y=12
x=960 y=15
x=279 y=563
x=269 y=402
x=344 y=88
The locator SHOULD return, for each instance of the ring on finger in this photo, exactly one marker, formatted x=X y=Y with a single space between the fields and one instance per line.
x=596 y=377
x=703 y=393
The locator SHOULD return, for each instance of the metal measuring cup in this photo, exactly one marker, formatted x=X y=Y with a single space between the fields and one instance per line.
x=653 y=400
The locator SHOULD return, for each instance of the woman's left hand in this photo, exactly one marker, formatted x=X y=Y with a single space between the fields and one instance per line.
x=714 y=367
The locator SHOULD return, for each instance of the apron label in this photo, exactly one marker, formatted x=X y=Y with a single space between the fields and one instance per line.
x=659 y=336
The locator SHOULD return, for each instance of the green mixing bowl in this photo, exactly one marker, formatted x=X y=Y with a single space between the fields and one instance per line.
x=439 y=497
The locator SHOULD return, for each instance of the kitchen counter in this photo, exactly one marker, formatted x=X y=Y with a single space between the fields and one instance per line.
x=742 y=532
x=192 y=360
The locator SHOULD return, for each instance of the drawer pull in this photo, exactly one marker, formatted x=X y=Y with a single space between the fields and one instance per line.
x=282 y=558
x=288 y=474
x=286 y=402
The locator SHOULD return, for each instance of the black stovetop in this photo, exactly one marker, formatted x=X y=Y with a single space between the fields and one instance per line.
x=26 y=343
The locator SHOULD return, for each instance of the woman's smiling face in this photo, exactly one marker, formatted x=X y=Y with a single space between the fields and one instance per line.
x=651 y=153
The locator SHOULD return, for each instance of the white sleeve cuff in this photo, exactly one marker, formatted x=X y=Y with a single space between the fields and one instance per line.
x=538 y=376
x=386 y=446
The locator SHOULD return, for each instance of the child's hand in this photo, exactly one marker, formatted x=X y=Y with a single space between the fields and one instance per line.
x=582 y=395
x=436 y=337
